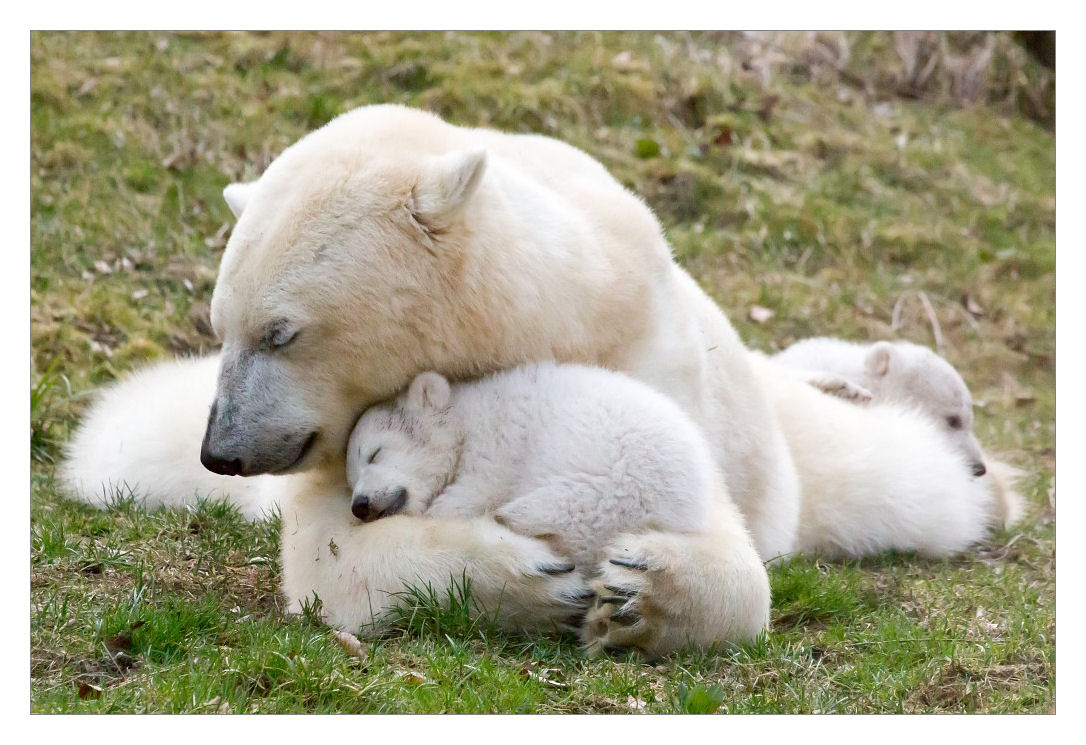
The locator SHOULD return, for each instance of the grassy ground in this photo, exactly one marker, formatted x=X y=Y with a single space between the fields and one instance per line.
x=826 y=178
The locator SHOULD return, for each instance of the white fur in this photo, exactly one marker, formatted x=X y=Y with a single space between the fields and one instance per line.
x=910 y=374
x=875 y=477
x=129 y=445
x=237 y=197
x=569 y=454
x=357 y=571
x=1002 y=481
x=893 y=371
x=537 y=254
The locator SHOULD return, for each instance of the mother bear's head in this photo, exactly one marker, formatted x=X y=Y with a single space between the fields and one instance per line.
x=344 y=277
x=390 y=242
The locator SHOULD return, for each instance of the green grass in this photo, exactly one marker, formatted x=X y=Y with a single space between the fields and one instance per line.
x=822 y=194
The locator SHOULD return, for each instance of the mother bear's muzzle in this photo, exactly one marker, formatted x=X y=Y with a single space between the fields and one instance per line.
x=252 y=427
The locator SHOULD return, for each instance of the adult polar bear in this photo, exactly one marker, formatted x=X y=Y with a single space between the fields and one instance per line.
x=388 y=243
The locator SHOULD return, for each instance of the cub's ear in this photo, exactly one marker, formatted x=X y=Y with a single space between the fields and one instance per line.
x=878 y=359
x=429 y=391
x=237 y=196
x=446 y=184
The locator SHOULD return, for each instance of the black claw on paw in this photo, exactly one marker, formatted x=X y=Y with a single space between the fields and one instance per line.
x=573 y=622
x=631 y=564
x=579 y=598
x=616 y=651
x=615 y=599
x=553 y=569
x=627 y=591
x=625 y=619
x=576 y=600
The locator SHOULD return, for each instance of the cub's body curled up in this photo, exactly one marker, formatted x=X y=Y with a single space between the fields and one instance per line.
x=570 y=454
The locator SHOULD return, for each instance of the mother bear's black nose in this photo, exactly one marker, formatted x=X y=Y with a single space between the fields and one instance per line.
x=224 y=466
x=218 y=462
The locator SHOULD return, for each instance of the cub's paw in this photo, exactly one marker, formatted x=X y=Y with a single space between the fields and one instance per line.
x=555 y=597
x=841 y=388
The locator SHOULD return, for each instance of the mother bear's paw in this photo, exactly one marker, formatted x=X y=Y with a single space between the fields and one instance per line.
x=630 y=609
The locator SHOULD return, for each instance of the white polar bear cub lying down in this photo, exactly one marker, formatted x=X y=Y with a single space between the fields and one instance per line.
x=570 y=454
x=878 y=477
x=898 y=371
x=573 y=454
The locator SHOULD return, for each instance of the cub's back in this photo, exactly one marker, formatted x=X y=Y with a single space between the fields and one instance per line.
x=825 y=354
x=586 y=419
x=603 y=454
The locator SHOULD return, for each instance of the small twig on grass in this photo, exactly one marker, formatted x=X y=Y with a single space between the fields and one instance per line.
x=873 y=642
x=960 y=310
x=933 y=320
x=929 y=311
x=691 y=141
x=895 y=314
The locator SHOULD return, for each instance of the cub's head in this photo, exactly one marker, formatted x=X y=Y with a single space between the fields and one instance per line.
x=914 y=374
x=402 y=454
x=339 y=283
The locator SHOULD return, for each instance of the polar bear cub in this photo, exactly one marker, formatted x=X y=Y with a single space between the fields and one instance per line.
x=571 y=454
x=898 y=371
x=587 y=460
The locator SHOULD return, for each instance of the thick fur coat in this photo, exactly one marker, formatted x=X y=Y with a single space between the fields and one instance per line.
x=389 y=243
x=908 y=375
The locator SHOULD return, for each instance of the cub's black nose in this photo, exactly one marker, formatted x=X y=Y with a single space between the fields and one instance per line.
x=979 y=469
x=360 y=507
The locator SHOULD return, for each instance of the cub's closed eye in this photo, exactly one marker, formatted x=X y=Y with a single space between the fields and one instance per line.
x=954 y=422
x=373 y=456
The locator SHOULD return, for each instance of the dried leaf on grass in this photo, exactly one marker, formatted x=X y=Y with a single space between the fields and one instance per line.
x=544 y=676
x=973 y=306
x=411 y=676
x=86 y=690
x=121 y=641
x=758 y=314
x=220 y=706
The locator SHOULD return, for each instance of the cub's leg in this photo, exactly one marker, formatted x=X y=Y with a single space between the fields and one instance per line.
x=562 y=515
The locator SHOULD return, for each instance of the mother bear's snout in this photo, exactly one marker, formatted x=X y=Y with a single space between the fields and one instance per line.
x=211 y=458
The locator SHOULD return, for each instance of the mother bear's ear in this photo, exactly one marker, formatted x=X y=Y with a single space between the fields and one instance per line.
x=445 y=185
x=237 y=196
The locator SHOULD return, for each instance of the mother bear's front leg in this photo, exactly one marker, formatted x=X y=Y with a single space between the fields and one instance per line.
x=359 y=570
x=658 y=592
